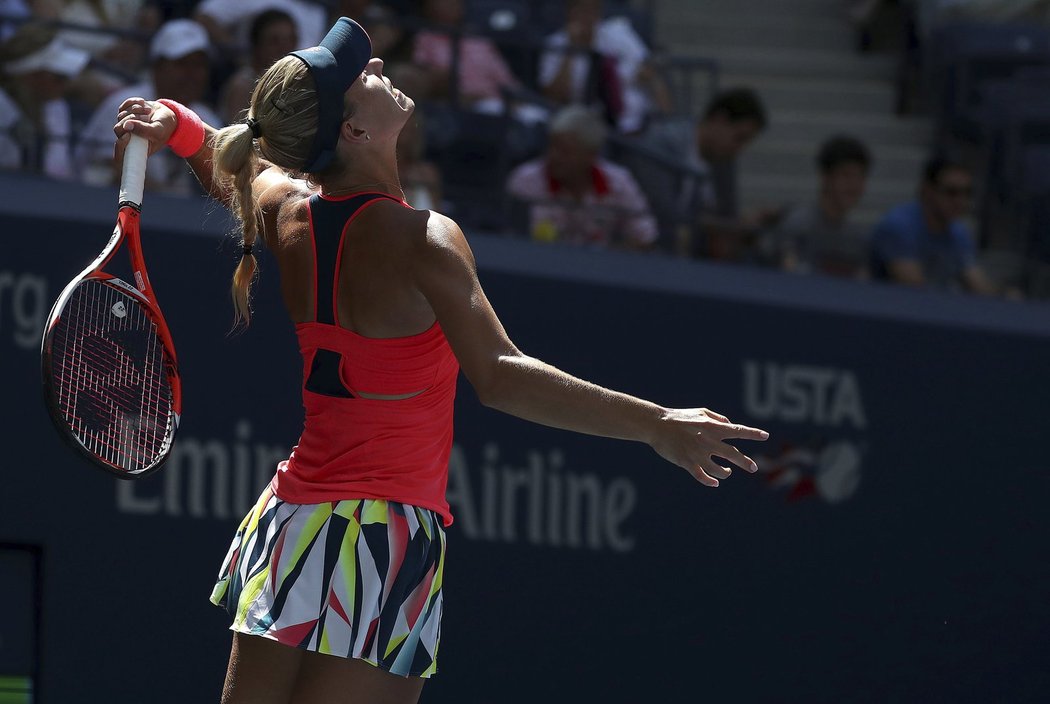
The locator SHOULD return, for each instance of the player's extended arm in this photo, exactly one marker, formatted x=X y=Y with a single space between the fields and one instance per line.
x=510 y=381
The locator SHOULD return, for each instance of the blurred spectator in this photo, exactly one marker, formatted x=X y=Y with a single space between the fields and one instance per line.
x=390 y=41
x=576 y=196
x=227 y=21
x=420 y=179
x=819 y=237
x=710 y=146
x=604 y=62
x=393 y=44
x=125 y=55
x=482 y=71
x=924 y=242
x=351 y=8
x=272 y=35
x=179 y=70
x=36 y=123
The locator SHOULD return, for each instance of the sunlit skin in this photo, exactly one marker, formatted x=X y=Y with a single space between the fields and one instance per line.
x=380 y=108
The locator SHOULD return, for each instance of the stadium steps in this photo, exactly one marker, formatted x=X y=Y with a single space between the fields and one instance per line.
x=800 y=57
x=761 y=31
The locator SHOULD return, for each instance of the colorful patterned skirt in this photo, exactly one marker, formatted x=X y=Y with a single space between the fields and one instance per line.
x=356 y=578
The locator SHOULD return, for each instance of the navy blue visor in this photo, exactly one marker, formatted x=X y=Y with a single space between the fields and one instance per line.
x=335 y=64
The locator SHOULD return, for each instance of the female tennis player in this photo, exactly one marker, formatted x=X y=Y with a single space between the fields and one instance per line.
x=343 y=554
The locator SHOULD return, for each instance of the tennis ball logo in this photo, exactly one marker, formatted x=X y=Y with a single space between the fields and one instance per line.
x=838 y=472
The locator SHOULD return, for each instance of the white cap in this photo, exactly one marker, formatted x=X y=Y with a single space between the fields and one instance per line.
x=56 y=57
x=178 y=38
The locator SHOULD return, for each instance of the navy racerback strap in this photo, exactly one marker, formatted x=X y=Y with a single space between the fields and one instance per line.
x=329 y=219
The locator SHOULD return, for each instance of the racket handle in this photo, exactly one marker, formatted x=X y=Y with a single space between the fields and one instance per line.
x=133 y=176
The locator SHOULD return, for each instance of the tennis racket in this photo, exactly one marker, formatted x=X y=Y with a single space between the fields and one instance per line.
x=111 y=381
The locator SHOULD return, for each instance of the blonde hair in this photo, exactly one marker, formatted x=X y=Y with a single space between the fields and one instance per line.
x=284 y=106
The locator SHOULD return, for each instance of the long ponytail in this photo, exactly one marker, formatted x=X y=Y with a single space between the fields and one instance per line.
x=284 y=110
x=235 y=164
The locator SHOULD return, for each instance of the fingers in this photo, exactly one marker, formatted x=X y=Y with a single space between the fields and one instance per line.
x=152 y=131
x=129 y=103
x=728 y=429
x=732 y=454
x=133 y=116
x=701 y=475
x=744 y=432
x=713 y=469
x=708 y=472
x=701 y=450
x=139 y=111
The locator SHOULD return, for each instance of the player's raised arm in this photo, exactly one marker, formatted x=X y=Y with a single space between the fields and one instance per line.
x=166 y=123
x=511 y=381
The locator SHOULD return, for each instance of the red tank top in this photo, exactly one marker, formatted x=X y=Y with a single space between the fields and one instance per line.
x=361 y=448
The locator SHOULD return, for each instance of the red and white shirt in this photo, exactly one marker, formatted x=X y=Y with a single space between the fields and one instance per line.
x=614 y=209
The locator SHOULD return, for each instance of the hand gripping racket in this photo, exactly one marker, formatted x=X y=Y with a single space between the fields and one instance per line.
x=110 y=377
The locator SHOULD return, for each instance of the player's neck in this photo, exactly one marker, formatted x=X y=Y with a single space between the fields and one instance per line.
x=384 y=180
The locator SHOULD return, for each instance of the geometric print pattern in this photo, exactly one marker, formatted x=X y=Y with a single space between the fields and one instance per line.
x=358 y=578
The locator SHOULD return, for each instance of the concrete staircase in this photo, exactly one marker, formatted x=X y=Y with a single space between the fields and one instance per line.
x=799 y=56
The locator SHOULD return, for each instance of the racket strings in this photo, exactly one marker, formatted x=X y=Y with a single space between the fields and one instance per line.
x=110 y=378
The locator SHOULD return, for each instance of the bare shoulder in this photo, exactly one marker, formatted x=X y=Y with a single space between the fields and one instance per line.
x=429 y=243
x=284 y=205
x=274 y=189
x=420 y=233
x=444 y=240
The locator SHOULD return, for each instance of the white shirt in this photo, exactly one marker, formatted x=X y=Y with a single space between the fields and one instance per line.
x=49 y=145
x=615 y=38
